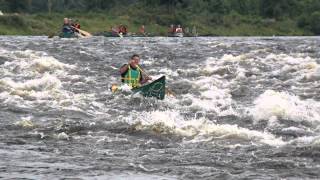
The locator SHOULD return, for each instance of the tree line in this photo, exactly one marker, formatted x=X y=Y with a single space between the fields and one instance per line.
x=306 y=13
x=265 y=8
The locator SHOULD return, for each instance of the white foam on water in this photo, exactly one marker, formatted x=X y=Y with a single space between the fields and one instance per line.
x=171 y=122
x=45 y=83
x=299 y=65
x=230 y=57
x=62 y=136
x=32 y=63
x=272 y=106
x=147 y=62
x=168 y=72
x=45 y=88
x=44 y=64
x=283 y=105
x=205 y=83
x=315 y=74
x=292 y=128
x=293 y=59
x=25 y=122
x=125 y=88
x=213 y=99
x=313 y=141
x=215 y=95
x=27 y=54
x=316 y=142
x=33 y=78
x=219 y=66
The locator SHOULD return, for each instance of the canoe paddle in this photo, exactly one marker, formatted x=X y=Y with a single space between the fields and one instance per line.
x=85 y=33
x=51 y=35
x=143 y=71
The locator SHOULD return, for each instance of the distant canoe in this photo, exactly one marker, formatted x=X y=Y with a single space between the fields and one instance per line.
x=175 y=35
x=72 y=35
x=110 y=34
x=67 y=35
x=178 y=34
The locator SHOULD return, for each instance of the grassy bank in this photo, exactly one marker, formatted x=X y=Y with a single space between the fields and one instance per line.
x=229 y=25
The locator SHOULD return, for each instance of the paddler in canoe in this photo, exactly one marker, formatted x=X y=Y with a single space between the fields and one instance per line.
x=72 y=30
x=131 y=73
x=136 y=78
x=67 y=30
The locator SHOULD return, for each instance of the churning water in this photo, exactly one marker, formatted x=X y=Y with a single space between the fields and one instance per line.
x=243 y=108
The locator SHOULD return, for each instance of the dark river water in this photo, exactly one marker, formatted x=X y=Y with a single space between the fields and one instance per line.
x=241 y=108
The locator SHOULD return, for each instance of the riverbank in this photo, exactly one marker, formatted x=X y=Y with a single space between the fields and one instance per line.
x=229 y=25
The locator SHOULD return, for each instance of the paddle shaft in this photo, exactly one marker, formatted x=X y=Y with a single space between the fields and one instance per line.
x=143 y=71
x=85 y=33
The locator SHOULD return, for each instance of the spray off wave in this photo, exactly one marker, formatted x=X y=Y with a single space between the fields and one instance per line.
x=170 y=122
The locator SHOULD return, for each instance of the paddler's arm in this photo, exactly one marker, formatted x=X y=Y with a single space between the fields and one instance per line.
x=145 y=79
x=124 y=68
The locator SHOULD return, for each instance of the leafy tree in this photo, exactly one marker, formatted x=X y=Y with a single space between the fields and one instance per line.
x=315 y=22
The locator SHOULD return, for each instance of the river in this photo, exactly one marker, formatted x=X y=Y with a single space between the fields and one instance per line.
x=242 y=108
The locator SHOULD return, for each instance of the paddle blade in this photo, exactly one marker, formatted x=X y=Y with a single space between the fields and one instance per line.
x=114 y=88
x=51 y=35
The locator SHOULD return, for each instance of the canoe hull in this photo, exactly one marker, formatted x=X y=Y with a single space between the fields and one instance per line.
x=155 y=89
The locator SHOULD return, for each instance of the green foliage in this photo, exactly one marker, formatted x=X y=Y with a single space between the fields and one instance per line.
x=310 y=22
x=315 y=22
x=265 y=8
x=215 y=17
x=14 y=20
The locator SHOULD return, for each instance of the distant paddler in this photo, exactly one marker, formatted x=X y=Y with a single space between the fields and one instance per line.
x=76 y=24
x=142 y=30
x=76 y=28
x=179 y=29
x=67 y=30
x=115 y=31
x=123 y=30
x=132 y=74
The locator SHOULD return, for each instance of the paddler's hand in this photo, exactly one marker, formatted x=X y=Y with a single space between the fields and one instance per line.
x=130 y=62
x=148 y=78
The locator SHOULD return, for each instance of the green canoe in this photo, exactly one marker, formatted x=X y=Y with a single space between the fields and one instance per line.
x=155 y=89
x=67 y=35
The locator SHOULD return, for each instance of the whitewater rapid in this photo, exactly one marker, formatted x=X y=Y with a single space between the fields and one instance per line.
x=241 y=108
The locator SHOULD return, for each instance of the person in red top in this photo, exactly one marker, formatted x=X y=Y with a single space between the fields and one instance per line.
x=77 y=25
x=142 y=30
x=179 y=29
x=122 y=29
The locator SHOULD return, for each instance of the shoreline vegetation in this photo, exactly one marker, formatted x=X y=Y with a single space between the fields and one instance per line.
x=210 y=17
x=234 y=25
